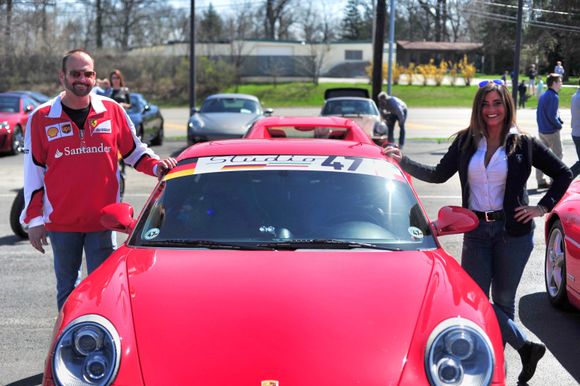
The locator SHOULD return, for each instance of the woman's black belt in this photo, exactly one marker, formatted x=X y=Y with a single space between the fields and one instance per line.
x=490 y=216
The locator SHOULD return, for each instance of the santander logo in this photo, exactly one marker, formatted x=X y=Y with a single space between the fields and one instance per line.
x=68 y=151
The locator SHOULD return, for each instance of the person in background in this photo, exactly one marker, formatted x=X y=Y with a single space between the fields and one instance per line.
x=393 y=110
x=539 y=88
x=118 y=91
x=559 y=69
x=72 y=145
x=575 y=108
x=532 y=73
x=494 y=159
x=549 y=122
x=522 y=89
x=102 y=87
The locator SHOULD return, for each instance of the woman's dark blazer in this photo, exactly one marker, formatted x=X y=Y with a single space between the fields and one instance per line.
x=529 y=152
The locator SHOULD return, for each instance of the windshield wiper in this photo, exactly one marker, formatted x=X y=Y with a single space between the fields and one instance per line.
x=322 y=244
x=210 y=244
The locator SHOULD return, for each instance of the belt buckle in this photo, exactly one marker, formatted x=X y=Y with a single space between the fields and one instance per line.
x=487 y=218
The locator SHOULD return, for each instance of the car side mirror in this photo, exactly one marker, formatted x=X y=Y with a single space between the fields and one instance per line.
x=268 y=112
x=28 y=108
x=454 y=220
x=118 y=217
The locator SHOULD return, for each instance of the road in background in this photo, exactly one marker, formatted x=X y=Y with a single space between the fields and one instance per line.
x=421 y=122
x=28 y=299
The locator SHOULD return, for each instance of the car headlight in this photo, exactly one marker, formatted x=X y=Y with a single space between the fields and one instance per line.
x=87 y=353
x=196 y=123
x=459 y=352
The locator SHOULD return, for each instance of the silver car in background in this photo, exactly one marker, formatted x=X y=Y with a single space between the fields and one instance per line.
x=354 y=103
x=224 y=116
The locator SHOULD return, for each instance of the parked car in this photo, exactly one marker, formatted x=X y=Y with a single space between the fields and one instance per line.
x=147 y=120
x=39 y=97
x=14 y=111
x=354 y=103
x=280 y=261
x=562 y=268
x=224 y=116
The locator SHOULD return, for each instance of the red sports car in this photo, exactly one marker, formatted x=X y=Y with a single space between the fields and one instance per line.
x=14 y=111
x=562 y=273
x=280 y=261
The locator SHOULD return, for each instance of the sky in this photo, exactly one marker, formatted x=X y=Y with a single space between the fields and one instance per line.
x=228 y=6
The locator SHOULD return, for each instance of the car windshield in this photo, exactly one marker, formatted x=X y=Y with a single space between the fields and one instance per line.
x=9 y=104
x=350 y=107
x=230 y=105
x=284 y=202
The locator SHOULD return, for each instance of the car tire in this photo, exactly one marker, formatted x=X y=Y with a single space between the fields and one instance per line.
x=158 y=140
x=15 y=210
x=17 y=145
x=555 y=267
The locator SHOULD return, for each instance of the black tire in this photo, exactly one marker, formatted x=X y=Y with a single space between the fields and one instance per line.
x=158 y=140
x=555 y=267
x=17 y=140
x=17 y=207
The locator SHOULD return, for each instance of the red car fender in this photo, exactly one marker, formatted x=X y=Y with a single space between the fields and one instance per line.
x=111 y=281
x=444 y=300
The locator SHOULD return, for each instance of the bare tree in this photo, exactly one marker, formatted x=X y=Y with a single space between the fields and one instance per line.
x=239 y=28
x=278 y=19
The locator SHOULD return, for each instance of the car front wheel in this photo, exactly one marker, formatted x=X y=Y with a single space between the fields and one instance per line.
x=17 y=140
x=555 y=267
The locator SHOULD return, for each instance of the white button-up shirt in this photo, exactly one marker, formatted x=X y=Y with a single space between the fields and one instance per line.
x=487 y=184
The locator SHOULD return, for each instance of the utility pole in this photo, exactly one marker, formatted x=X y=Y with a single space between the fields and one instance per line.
x=391 y=43
x=516 y=70
x=192 y=58
x=378 y=44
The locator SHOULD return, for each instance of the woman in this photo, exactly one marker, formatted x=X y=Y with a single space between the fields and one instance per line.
x=494 y=160
x=118 y=92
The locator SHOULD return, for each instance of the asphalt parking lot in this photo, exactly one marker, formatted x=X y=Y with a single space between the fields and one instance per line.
x=27 y=293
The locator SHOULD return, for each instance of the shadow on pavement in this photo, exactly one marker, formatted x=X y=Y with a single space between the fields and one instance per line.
x=30 y=381
x=11 y=240
x=557 y=329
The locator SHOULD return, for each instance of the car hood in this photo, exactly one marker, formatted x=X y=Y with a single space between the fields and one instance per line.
x=233 y=123
x=302 y=317
x=9 y=116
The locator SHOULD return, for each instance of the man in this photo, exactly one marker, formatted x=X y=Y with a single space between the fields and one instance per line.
x=549 y=121
x=72 y=146
x=559 y=69
x=575 y=107
x=392 y=110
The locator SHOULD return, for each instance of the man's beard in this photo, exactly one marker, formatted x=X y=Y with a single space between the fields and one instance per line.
x=80 y=92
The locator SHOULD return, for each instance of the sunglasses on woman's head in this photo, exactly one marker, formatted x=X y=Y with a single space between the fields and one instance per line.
x=484 y=83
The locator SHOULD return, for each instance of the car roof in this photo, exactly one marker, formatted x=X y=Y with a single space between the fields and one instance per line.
x=349 y=99
x=233 y=95
x=289 y=146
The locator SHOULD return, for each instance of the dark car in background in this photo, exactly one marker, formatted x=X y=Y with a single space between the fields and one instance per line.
x=14 y=111
x=224 y=116
x=147 y=119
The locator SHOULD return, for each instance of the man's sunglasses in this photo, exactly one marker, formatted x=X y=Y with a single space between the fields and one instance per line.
x=484 y=83
x=77 y=74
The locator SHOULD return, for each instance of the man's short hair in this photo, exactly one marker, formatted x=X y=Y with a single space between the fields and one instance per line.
x=553 y=78
x=383 y=95
x=72 y=52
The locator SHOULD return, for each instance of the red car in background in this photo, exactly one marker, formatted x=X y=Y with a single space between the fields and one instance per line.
x=282 y=261
x=14 y=111
x=562 y=268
